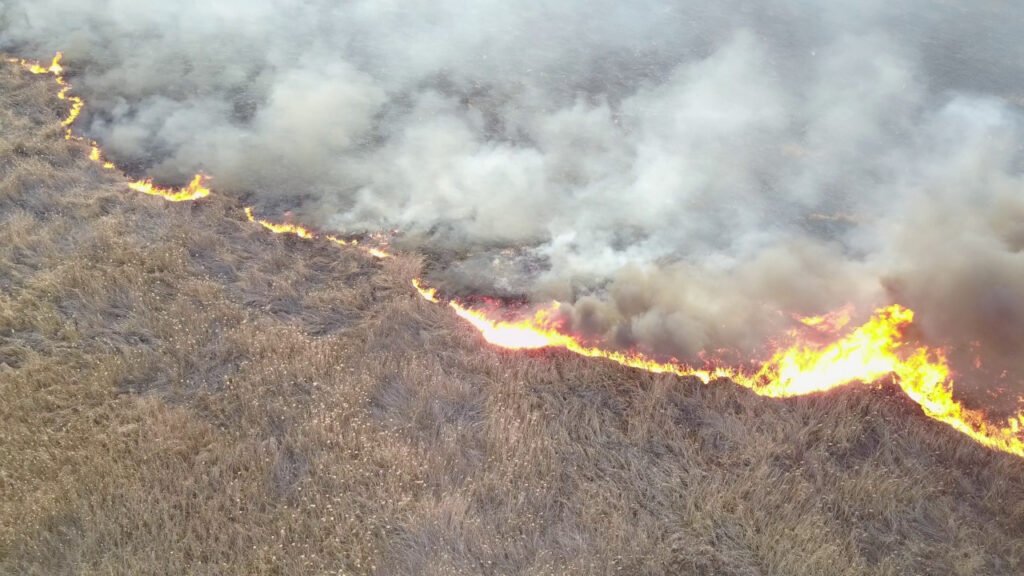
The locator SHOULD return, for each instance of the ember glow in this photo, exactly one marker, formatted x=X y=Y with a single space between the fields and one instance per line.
x=865 y=355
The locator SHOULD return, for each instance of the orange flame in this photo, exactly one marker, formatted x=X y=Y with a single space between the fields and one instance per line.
x=378 y=253
x=341 y=241
x=428 y=294
x=308 y=234
x=528 y=334
x=96 y=155
x=195 y=190
x=280 y=228
x=865 y=355
x=830 y=322
x=55 y=68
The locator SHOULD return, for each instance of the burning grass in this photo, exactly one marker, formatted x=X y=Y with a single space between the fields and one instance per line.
x=865 y=355
x=184 y=393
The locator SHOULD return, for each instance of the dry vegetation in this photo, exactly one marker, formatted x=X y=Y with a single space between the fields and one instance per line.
x=181 y=392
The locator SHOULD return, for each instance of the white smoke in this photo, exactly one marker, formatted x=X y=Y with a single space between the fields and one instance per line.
x=686 y=174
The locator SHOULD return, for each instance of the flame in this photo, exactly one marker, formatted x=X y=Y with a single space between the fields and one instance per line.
x=35 y=68
x=195 y=190
x=830 y=322
x=77 y=104
x=308 y=234
x=927 y=384
x=280 y=228
x=341 y=241
x=55 y=68
x=528 y=334
x=429 y=294
x=96 y=155
x=378 y=253
x=866 y=355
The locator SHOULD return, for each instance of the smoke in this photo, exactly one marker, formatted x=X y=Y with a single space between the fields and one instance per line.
x=686 y=175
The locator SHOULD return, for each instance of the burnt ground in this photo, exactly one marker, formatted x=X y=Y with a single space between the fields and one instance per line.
x=182 y=392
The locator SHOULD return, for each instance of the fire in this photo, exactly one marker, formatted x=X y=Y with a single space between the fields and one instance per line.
x=378 y=253
x=830 y=322
x=542 y=330
x=55 y=68
x=195 y=190
x=341 y=241
x=429 y=294
x=280 y=228
x=927 y=384
x=529 y=334
x=96 y=155
x=308 y=234
x=866 y=355
x=35 y=68
x=77 y=104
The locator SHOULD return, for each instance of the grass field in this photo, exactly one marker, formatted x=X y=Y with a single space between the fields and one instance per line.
x=183 y=393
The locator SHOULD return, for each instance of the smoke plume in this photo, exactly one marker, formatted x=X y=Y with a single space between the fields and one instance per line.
x=687 y=176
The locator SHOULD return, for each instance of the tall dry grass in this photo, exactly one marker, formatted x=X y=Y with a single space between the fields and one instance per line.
x=181 y=393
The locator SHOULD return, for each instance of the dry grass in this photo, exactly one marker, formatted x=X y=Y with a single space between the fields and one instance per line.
x=183 y=393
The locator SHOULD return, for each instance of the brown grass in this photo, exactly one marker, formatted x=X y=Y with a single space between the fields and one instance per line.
x=181 y=392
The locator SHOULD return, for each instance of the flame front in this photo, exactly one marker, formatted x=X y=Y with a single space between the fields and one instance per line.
x=427 y=293
x=280 y=228
x=308 y=234
x=195 y=190
x=867 y=354
x=529 y=334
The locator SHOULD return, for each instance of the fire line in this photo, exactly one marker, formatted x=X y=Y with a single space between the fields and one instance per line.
x=863 y=356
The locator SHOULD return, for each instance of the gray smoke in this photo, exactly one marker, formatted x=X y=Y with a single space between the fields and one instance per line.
x=687 y=175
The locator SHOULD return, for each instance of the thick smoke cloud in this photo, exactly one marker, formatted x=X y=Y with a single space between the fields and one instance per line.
x=686 y=175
